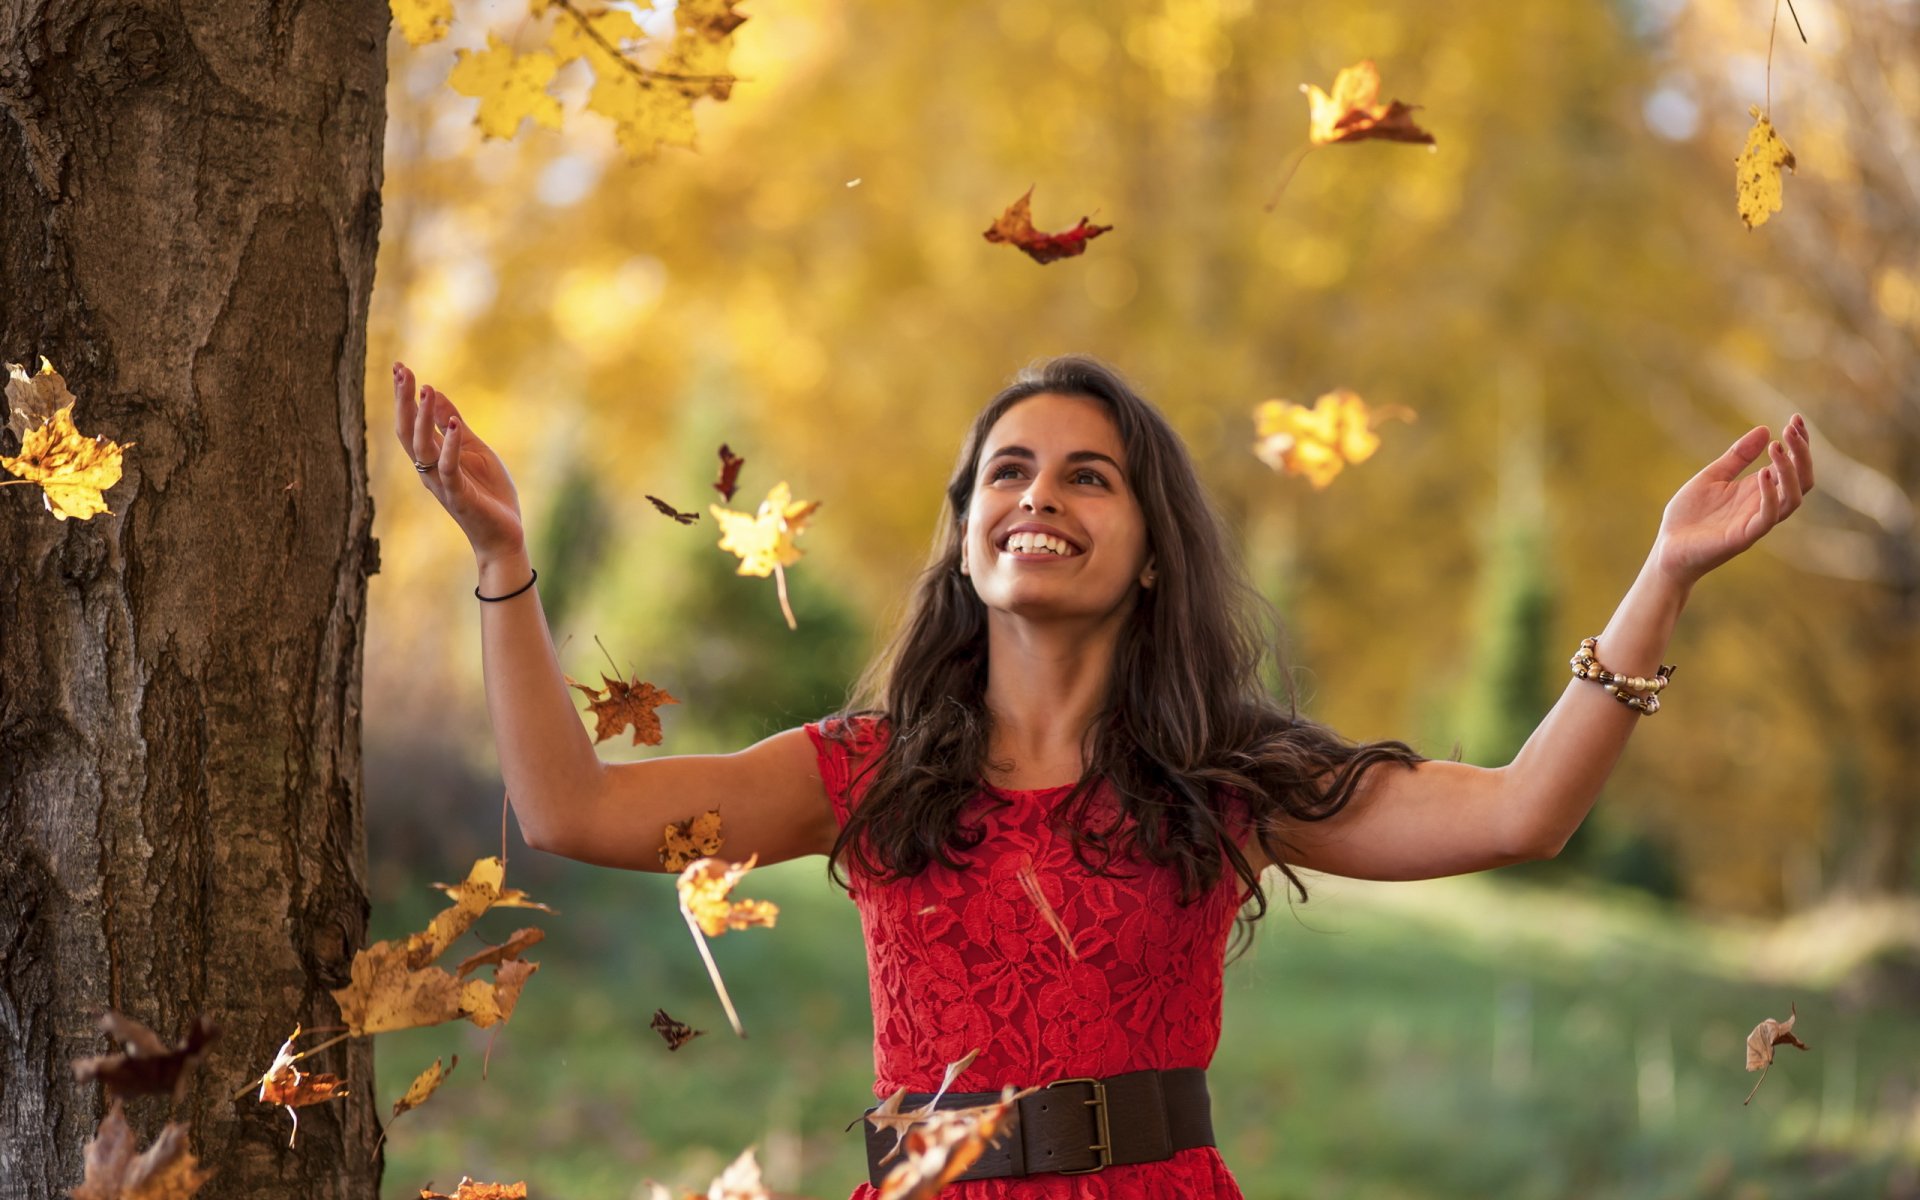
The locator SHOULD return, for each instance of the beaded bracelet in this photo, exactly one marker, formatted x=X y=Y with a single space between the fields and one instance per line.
x=1620 y=687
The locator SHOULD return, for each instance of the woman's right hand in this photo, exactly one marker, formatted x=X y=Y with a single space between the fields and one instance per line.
x=464 y=475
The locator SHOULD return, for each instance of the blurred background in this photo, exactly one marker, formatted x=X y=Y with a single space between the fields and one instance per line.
x=1561 y=290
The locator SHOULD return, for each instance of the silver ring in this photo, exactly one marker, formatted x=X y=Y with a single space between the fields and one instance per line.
x=423 y=468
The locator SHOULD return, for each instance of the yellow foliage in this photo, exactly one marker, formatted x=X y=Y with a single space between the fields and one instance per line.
x=765 y=539
x=71 y=468
x=422 y=21
x=1317 y=442
x=509 y=86
x=1756 y=177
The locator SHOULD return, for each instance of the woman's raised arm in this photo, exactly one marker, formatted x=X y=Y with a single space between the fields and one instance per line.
x=770 y=796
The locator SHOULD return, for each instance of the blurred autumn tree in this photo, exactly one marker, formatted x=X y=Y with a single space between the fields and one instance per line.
x=812 y=287
x=189 y=203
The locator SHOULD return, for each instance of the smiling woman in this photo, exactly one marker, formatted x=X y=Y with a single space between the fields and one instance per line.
x=1060 y=782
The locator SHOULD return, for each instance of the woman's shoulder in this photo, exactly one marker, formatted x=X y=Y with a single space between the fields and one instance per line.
x=857 y=730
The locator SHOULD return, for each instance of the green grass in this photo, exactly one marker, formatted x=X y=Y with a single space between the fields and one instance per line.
x=1454 y=1038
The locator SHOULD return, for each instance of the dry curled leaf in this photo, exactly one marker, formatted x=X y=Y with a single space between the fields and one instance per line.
x=513 y=947
x=619 y=705
x=1758 y=184
x=888 y=1114
x=288 y=1086
x=145 y=1065
x=1030 y=883
x=72 y=469
x=1318 y=442
x=1765 y=1036
x=1350 y=114
x=943 y=1146
x=705 y=886
x=685 y=518
x=166 y=1170
x=1015 y=228
x=730 y=464
x=469 y=1190
x=676 y=1033
x=695 y=837
x=424 y=1085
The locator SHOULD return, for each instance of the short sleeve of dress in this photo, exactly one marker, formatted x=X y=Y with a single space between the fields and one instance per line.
x=844 y=745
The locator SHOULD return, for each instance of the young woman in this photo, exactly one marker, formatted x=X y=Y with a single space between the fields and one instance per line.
x=1065 y=777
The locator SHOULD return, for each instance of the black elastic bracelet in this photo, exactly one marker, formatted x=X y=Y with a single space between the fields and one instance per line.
x=510 y=595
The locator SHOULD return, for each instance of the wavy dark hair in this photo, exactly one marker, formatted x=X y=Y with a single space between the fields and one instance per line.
x=1186 y=721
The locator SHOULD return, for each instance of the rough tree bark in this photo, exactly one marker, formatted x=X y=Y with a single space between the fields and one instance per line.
x=189 y=206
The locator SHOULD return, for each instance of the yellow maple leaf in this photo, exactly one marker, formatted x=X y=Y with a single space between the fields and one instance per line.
x=424 y=1085
x=422 y=21
x=705 y=888
x=646 y=113
x=695 y=837
x=652 y=106
x=571 y=39
x=1756 y=173
x=71 y=468
x=764 y=539
x=509 y=86
x=1317 y=442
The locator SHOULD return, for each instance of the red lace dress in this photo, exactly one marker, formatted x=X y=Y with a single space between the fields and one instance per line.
x=959 y=960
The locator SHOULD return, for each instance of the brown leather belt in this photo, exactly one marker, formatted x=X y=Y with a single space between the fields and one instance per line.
x=1076 y=1126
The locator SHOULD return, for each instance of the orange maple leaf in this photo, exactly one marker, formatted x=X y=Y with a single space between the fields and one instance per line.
x=1015 y=227
x=705 y=886
x=166 y=1170
x=469 y=1190
x=290 y=1087
x=944 y=1145
x=1350 y=114
x=625 y=704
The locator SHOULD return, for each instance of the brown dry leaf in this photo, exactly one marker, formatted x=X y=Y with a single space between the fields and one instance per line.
x=1350 y=114
x=1758 y=185
x=513 y=947
x=424 y=1085
x=1765 y=1036
x=1318 y=442
x=625 y=704
x=1015 y=227
x=888 y=1115
x=685 y=518
x=469 y=1190
x=166 y=1170
x=943 y=1146
x=146 y=1065
x=71 y=468
x=730 y=464
x=695 y=837
x=740 y=1181
x=704 y=887
x=290 y=1087
x=677 y=1033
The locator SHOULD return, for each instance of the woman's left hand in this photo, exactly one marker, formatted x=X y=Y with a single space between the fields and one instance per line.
x=1717 y=514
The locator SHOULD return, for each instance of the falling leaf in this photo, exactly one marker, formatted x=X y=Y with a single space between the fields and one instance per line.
x=1030 y=882
x=676 y=1033
x=1015 y=227
x=422 y=21
x=730 y=464
x=146 y=1065
x=695 y=837
x=888 y=1114
x=765 y=539
x=71 y=468
x=1765 y=1036
x=941 y=1148
x=740 y=1181
x=424 y=1085
x=1350 y=114
x=509 y=86
x=469 y=1190
x=1756 y=174
x=705 y=886
x=393 y=987
x=492 y=956
x=625 y=704
x=290 y=1087
x=33 y=399
x=685 y=518
x=1317 y=442
x=167 y=1170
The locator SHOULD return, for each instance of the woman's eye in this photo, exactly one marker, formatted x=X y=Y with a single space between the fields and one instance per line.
x=1093 y=475
x=1078 y=476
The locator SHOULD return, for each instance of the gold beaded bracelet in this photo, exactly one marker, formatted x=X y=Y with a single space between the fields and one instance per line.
x=1620 y=687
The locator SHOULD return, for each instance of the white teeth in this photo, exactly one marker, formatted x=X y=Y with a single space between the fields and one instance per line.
x=1030 y=543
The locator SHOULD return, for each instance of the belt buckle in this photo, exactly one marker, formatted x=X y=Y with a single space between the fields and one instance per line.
x=1102 y=1149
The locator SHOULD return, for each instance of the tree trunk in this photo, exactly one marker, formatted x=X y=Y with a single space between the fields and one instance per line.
x=189 y=206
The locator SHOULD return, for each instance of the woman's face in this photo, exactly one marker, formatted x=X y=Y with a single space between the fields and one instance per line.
x=1054 y=463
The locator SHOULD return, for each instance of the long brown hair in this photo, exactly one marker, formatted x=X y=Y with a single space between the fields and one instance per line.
x=1186 y=722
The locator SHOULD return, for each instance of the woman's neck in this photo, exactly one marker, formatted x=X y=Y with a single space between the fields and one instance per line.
x=1045 y=683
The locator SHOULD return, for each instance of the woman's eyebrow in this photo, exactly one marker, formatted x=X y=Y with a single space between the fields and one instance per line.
x=1074 y=457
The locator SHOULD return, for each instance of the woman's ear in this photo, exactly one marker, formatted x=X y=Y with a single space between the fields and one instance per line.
x=1149 y=573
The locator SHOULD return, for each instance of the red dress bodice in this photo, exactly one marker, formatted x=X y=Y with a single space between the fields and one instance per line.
x=964 y=960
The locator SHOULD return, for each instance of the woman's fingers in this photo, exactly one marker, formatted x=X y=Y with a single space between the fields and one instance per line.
x=426 y=446
x=1788 y=473
x=1800 y=446
x=448 y=468
x=405 y=412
